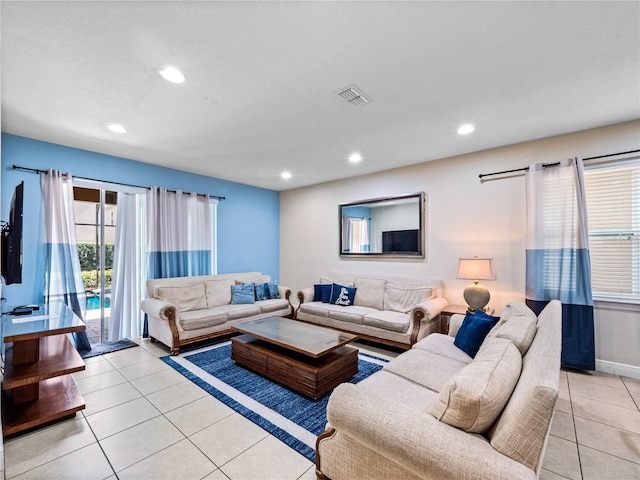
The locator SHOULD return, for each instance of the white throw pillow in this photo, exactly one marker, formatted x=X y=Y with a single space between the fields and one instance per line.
x=402 y=298
x=473 y=399
x=185 y=298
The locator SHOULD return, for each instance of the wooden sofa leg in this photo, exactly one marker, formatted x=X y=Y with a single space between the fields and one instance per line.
x=174 y=351
x=153 y=340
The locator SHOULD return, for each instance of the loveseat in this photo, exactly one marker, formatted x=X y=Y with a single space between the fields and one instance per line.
x=184 y=310
x=397 y=311
x=436 y=413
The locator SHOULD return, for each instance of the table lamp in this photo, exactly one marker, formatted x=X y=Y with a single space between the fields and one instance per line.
x=477 y=296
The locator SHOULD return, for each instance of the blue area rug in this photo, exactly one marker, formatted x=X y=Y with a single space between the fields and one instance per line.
x=107 y=347
x=289 y=416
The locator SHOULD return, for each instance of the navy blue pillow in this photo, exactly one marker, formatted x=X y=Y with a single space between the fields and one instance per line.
x=322 y=292
x=241 y=294
x=341 y=295
x=473 y=330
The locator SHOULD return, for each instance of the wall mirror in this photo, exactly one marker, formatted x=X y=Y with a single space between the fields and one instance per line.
x=390 y=226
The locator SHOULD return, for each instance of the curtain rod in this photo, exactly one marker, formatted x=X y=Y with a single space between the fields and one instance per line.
x=524 y=169
x=37 y=170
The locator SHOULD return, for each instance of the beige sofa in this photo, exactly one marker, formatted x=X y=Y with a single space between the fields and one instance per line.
x=396 y=311
x=185 y=310
x=436 y=413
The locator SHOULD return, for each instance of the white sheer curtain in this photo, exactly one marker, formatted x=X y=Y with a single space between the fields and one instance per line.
x=63 y=280
x=129 y=264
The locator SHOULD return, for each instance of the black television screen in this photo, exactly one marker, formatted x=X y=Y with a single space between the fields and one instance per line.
x=12 y=240
x=400 y=241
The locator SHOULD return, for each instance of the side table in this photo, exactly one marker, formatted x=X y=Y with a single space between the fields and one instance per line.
x=39 y=359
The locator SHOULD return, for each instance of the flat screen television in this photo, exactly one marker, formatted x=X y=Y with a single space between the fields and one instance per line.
x=400 y=241
x=12 y=240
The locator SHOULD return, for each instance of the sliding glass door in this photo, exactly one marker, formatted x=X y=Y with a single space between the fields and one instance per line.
x=96 y=216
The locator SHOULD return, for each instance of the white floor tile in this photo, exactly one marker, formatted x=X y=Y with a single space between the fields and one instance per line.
x=121 y=417
x=143 y=369
x=176 y=396
x=198 y=415
x=109 y=397
x=180 y=461
x=100 y=381
x=137 y=443
x=158 y=381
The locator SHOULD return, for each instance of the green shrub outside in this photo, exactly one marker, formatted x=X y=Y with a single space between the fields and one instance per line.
x=90 y=279
x=88 y=255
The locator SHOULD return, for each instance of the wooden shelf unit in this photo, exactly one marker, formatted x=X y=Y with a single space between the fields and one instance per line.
x=39 y=359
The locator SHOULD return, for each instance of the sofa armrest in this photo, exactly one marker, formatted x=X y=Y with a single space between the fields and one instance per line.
x=415 y=439
x=158 y=308
x=284 y=292
x=306 y=295
x=430 y=308
x=455 y=322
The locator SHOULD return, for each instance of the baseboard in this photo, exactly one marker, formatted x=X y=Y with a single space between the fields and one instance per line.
x=631 y=371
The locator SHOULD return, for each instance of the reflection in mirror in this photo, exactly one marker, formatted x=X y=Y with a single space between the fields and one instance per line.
x=390 y=226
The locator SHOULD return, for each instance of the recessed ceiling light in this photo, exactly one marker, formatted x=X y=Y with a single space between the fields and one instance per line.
x=285 y=175
x=171 y=74
x=355 y=157
x=116 y=128
x=466 y=129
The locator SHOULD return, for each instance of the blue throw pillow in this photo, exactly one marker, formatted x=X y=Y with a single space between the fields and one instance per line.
x=322 y=292
x=341 y=295
x=473 y=330
x=262 y=291
x=272 y=288
x=241 y=294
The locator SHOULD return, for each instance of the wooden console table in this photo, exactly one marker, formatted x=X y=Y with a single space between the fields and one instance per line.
x=39 y=359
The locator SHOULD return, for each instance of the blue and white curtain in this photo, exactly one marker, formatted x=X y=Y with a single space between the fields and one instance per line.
x=180 y=234
x=355 y=234
x=558 y=265
x=129 y=267
x=63 y=280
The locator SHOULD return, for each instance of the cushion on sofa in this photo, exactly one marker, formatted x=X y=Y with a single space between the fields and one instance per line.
x=322 y=292
x=442 y=345
x=521 y=330
x=242 y=294
x=261 y=291
x=394 y=321
x=473 y=399
x=218 y=292
x=352 y=314
x=195 y=319
x=402 y=298
x=473 y=331
x=236 y=311
x=370 y=292
x=272 y=287
x=272 y=305
x=314 y=308
x=424 y=368
x=342 y=295
x=185 y=298
x=339 y=281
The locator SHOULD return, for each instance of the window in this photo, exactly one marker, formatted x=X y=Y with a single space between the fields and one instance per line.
x=613 y=208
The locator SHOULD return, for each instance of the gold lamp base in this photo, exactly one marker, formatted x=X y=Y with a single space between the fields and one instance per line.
x=477 y=296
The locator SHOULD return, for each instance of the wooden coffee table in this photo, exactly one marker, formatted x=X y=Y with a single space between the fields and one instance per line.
x=306 y=358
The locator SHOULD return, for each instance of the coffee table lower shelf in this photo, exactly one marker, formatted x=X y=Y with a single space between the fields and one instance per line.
x=309 y=376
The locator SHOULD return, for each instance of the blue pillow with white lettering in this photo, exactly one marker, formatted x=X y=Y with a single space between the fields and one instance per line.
x=341 y=295
x=242 y=294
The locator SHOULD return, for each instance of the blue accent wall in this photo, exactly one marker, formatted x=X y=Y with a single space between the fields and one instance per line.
x=248 y=236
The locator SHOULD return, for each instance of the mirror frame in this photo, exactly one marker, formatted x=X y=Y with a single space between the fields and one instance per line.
x=420 y=196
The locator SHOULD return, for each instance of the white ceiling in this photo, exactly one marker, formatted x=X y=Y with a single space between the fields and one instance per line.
x=262 y=80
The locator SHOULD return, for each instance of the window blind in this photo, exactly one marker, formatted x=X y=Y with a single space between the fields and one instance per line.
x=613 y=209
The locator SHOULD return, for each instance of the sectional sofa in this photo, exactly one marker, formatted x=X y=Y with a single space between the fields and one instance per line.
x=185 y=310
x=397 y=311
x=436 y=413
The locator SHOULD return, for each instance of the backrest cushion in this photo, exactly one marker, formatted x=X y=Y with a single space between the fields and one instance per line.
x=185 y=298
x=518 y=323
x=342 y=295
x=402 y=298
x=218 y=292
x=473 y=331
x=243 y=294
x=370 y=292
x=473 y=398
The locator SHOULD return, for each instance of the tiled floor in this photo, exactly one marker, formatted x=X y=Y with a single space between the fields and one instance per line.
x=145 y=421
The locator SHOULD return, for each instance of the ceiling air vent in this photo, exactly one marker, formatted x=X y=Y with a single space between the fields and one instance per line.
x=354 y=96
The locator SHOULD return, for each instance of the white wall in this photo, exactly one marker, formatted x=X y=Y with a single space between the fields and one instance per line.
x=464 y=217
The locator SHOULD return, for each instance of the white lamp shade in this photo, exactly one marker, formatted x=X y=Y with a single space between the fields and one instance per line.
x=476 y=269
